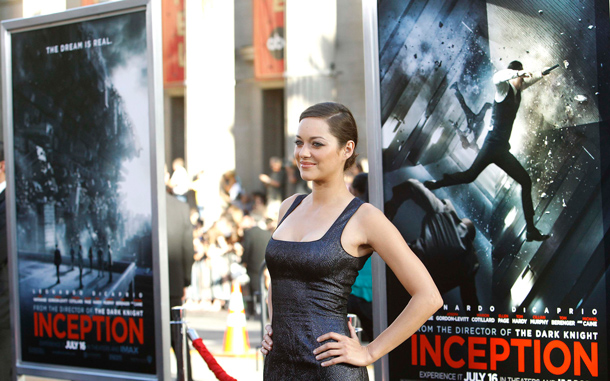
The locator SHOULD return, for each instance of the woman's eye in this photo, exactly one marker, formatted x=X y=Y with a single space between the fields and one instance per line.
x=316 y=144
x=298 y=142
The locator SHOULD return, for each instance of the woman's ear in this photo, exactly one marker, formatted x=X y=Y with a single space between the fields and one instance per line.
x=349 y=149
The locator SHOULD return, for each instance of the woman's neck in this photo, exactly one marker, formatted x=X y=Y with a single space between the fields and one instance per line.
x=329 y=191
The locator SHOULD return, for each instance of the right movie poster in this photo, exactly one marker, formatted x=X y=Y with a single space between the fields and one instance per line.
x=495 y=169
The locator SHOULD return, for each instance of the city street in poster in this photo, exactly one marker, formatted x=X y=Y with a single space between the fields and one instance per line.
x=490 y=115
x=83 y=194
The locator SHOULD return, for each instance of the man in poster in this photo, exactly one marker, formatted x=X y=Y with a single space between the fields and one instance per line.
x=57 y=262
x=475 y=123
x=80 y=267
x=496 y=149
x=109 y=264
x=100 y=262
x=445 y=244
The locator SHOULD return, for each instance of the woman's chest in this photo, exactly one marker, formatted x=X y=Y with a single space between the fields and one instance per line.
x=308 y=260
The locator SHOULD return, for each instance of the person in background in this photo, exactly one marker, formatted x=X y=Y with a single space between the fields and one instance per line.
x=179 y=181
x=245 y=202
x=200 y=278
x=180 y=253
x=230 y=188
x=294 y=182
x=274 y=183
x=6 y=357
x=254 y=243
x=362 y=165
x=360 y=187
x=259 y=205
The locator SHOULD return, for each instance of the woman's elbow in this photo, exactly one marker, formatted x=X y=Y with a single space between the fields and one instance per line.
x=435 y=300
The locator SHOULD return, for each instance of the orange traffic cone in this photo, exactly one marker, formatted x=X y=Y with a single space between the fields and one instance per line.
x=236 y=337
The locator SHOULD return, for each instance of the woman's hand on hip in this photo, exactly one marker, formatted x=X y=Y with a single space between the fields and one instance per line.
x=267 y=343
x=344 y=350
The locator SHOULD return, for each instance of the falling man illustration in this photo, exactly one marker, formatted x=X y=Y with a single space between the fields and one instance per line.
x=445 y=244
x=475 y=123
x=496 y=148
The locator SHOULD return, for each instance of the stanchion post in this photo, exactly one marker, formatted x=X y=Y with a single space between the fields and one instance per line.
x=180 y=344
x=355 y=320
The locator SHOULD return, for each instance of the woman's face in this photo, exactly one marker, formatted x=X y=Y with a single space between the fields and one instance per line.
x=317 y=151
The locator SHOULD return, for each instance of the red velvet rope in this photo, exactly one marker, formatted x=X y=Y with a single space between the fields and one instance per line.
x=220 y=373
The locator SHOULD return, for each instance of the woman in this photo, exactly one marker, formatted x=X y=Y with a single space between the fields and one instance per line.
x=314 y=255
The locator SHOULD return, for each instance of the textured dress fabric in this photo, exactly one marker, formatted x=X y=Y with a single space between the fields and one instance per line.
x=310 y=283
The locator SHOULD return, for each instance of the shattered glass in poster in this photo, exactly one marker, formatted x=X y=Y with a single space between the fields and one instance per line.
x=83 y=194
x=493 y=173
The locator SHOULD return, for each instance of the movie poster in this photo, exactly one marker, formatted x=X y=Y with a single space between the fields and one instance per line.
x=83 y=194
x=490 y=115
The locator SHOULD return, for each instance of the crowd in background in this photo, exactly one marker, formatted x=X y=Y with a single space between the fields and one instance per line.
x=232 y=248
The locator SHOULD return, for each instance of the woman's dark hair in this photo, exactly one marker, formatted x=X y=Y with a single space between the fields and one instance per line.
x=340 y=121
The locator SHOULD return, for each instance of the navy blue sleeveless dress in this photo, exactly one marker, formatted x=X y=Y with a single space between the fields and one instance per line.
x=310 y=284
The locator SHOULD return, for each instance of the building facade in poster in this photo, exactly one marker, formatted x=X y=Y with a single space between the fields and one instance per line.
x=83 y=194
x=474 y=161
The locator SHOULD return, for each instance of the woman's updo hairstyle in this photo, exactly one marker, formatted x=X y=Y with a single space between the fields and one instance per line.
x=341 y=123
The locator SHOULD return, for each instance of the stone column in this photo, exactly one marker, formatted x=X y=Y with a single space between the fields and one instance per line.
x=210 y=96
x=311 y=33
x=37 y=7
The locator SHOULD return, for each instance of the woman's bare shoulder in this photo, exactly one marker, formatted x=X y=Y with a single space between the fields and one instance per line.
x=357 y=238
x=286 y=205
x=370 y=219
x=367 y=211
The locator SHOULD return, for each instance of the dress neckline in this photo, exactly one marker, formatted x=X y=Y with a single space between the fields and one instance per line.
x=327 y=231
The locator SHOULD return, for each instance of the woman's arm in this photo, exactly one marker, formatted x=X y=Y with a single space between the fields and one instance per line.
x=378 y=233
x=383 y=236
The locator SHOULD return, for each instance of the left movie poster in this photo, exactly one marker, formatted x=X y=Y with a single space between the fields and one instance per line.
x=83 y=194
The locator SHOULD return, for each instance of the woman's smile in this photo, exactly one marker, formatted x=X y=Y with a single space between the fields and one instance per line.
x=306 y=164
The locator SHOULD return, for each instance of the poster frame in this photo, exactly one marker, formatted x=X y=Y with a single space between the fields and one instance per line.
x=374 y=133
x=375 y=179
x=152 y=9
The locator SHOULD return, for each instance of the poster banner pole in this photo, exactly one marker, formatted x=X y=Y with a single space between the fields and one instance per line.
x=375 y=179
